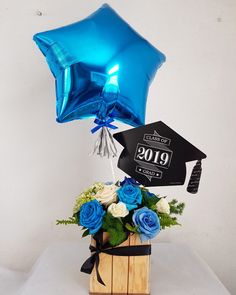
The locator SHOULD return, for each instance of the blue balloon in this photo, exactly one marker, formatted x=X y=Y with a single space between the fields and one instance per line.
x=102 y=68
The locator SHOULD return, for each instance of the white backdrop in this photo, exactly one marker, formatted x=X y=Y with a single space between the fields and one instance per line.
x=44 y=165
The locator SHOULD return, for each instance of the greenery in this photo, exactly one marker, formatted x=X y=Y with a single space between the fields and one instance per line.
x=149 y=200
x=115 y=229
x=176 y=207
x=87 y=196
x=70 y=220
x=85 y=233
x=131 y=228
x=166 y=220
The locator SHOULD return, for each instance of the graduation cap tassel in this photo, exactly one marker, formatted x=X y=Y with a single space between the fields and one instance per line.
x=195 y=178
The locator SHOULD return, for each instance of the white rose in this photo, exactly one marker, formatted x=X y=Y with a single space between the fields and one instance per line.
x=163 y=206
x=118 y=210
x=107 y=194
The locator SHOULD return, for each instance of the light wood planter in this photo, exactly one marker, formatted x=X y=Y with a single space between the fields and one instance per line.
x=122 y=274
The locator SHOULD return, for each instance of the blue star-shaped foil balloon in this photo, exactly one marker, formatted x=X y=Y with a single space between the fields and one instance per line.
x=102 y=68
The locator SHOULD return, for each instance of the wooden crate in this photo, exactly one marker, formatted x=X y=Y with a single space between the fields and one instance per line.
x=122 y=274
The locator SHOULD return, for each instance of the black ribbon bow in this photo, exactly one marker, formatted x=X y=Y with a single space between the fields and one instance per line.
x=93 y=260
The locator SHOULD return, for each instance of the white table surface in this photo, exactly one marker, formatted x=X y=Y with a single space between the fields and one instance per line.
x=175 y=270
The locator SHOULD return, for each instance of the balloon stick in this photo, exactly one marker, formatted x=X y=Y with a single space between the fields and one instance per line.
x=112 y=170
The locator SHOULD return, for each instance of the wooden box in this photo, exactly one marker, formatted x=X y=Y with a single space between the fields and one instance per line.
x=122 y=274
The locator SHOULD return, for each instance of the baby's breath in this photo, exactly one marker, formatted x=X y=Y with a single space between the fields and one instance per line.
x=87 y=196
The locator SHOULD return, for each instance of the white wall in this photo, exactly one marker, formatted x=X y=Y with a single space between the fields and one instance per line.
x=44 y=165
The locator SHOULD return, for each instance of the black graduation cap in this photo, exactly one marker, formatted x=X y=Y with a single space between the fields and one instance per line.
x=155 y=155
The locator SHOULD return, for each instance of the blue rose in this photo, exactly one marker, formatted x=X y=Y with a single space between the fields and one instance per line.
x=130 y=195
x=148 y=194
x=147 y=222
x=90 y=216
x=129 y=180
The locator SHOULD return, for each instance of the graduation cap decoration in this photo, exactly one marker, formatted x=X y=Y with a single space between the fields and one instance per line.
x=155 y=155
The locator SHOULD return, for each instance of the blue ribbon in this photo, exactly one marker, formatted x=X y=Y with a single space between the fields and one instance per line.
x=102 y=123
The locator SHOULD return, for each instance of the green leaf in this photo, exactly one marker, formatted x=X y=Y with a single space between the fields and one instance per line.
x=85 y=233
x=115 y=229
x=131 y=228
x=176 y=207
x=149 y=200
x=70 y=220
x=116 y=237
x=128 y=218
x=167 y=221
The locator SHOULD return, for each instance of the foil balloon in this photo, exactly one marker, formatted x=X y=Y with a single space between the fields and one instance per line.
x=103 y=69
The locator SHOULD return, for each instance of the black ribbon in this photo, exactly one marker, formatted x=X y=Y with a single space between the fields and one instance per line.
x=93 y=260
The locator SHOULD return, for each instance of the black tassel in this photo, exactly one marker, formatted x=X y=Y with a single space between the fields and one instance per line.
x=195 y=178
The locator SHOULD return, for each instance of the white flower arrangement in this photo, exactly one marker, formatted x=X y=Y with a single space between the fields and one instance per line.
x=118 y=210
x=163 y=206
x=107 y=194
